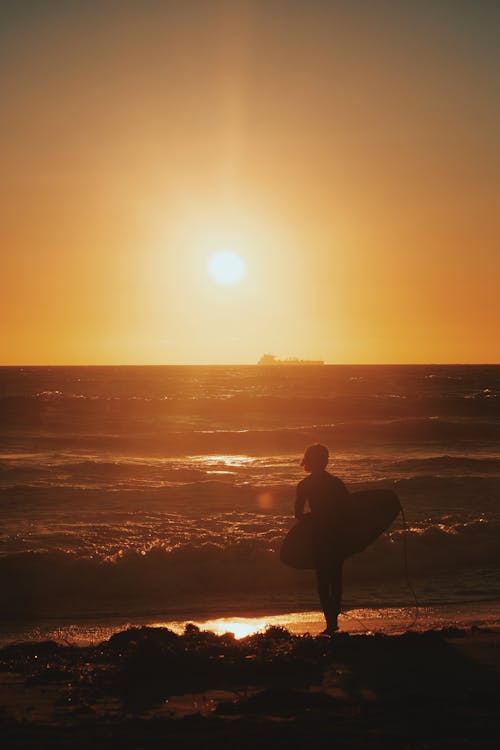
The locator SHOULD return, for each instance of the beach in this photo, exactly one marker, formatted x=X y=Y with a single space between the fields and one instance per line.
x=147 y=687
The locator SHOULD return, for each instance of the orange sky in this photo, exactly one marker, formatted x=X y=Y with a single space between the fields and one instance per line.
x=347 y=151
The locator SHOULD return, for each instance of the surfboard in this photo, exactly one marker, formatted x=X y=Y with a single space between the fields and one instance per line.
x=368 y=515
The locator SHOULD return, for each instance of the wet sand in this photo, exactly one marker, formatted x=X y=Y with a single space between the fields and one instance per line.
x=386 y=620
x=153 y=688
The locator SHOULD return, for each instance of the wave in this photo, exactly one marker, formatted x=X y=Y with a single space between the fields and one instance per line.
x=58 y=582
x=232 y=491
x=108 y=471
x=150 y=473
x=456 y=465
x=327 y=384
x=159 y=440
x=252 y=405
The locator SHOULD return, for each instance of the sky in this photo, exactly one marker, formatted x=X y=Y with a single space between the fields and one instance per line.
x=347 y=152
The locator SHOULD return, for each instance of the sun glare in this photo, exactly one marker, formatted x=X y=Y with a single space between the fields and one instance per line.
x=240 y=627
x=226 y=268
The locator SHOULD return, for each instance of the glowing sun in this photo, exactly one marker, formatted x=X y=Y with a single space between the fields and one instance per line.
x=226 y=268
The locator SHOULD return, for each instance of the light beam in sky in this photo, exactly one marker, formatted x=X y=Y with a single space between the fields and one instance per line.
x=226 y=268
x=303 y=178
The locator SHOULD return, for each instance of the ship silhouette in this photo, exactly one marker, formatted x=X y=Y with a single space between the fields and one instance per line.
x=270 y=359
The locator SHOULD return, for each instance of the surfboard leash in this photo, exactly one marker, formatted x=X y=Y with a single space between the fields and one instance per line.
x=407 y=580
x=357 y=619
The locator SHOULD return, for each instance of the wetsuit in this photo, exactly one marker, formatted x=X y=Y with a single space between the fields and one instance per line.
x=327 y=497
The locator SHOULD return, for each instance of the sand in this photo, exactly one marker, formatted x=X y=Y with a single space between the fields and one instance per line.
x=245 y=621
x=152 y=688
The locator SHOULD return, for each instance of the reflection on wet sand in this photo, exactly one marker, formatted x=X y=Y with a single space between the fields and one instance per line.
x=355 y=621
x=390 y=621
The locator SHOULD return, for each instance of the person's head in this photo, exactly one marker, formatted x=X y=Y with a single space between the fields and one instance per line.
x=315 y=458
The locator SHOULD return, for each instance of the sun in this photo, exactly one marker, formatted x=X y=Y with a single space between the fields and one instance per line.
x=226 y=267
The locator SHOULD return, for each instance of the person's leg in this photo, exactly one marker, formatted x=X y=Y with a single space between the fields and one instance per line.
x=324 y=590
x=328 y=578
x=336 y=586
x=329 y=585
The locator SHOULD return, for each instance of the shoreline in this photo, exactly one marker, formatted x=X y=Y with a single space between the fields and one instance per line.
x=87 y=630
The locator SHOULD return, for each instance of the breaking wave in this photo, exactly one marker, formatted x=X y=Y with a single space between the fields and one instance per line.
x=42 y=583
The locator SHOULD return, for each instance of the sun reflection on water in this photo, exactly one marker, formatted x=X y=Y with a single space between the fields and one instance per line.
x=225 y=460
x=240 y=627
x=391 y=621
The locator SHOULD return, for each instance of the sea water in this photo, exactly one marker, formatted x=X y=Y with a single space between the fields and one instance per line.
x=161 y=494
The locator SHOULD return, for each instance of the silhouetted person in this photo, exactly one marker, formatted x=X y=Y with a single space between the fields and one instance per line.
x=327 y=497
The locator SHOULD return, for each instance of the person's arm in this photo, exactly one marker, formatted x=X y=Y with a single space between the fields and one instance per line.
x=300 y=502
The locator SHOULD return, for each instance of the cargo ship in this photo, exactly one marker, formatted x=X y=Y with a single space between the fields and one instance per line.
x=270 y=359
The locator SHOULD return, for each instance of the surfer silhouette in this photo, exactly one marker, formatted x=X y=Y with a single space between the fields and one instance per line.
x=327 y=497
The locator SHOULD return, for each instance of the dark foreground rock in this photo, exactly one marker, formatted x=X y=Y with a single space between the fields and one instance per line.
x=151 y=688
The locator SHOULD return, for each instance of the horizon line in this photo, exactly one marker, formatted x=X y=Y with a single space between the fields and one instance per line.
x=254 y=364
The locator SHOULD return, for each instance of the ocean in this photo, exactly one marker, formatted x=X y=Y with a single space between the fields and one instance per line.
x=161 y=494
